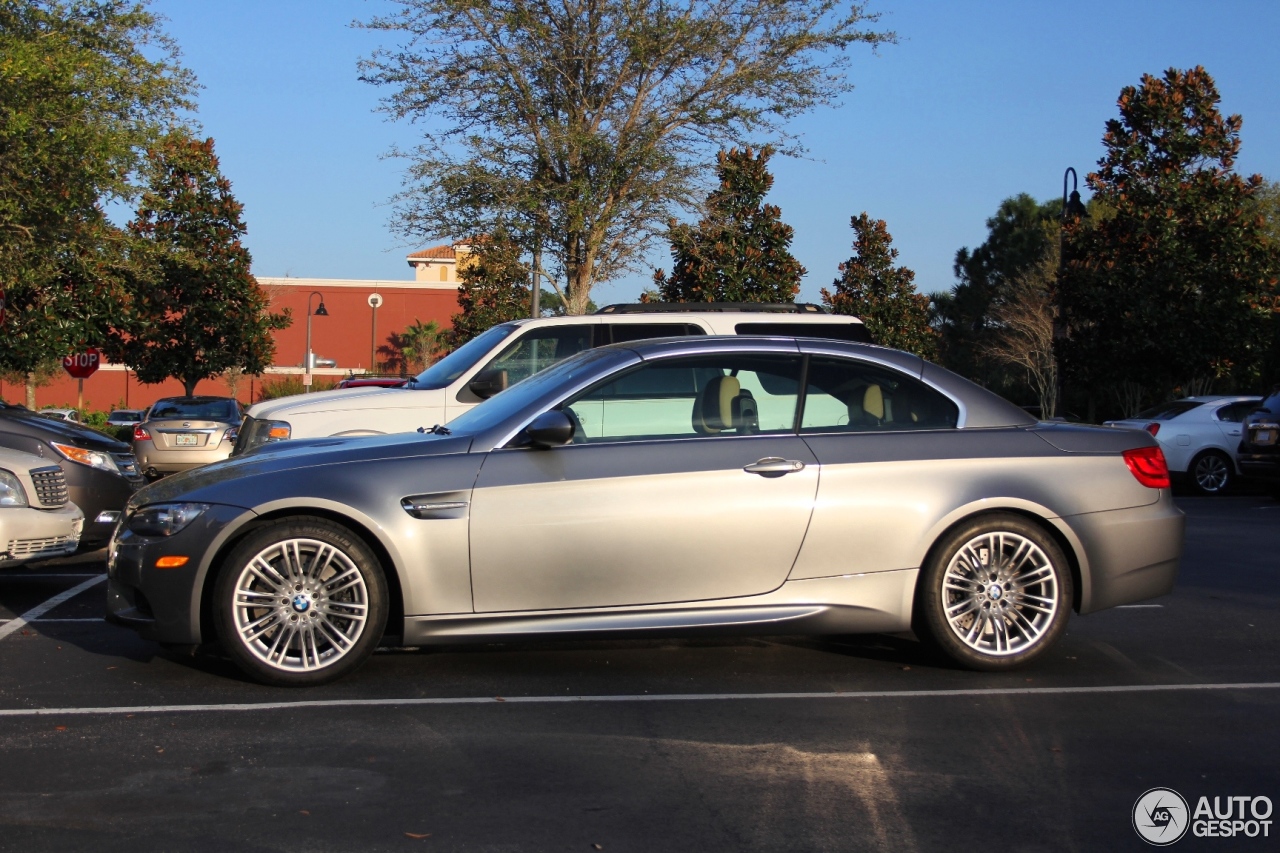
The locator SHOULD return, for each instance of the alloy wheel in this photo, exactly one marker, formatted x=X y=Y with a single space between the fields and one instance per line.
x=1000 y=593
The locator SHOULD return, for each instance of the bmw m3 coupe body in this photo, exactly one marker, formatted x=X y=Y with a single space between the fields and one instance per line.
x=744 y=485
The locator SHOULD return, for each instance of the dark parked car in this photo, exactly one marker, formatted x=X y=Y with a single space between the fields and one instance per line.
x=101 y=472
x=1259 y=453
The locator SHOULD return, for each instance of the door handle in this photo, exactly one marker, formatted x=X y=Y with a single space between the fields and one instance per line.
x=774 y=466
x=1233 y=432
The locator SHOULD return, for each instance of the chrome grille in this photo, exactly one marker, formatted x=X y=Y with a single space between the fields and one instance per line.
x=51 y=486
x=128 y=465
x=34 y=547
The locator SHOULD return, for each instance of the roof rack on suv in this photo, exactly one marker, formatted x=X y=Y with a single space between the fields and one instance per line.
x=689 y=307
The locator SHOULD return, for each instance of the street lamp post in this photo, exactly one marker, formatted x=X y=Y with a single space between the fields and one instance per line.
x=319 y=312
x=1074 y=208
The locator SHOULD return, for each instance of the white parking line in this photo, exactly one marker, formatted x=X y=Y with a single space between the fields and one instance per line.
x=645 y=697
x=24 y=576
x=58 y=619
x=43 y=608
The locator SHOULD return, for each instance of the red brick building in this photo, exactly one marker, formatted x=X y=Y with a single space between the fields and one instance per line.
x=350 y=334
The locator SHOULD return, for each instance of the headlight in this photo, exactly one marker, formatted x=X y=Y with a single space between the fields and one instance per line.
x=11 y=492
x=92 y=458
x=164 y=519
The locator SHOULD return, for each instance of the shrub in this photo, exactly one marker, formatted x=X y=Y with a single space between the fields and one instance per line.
x=287 y=386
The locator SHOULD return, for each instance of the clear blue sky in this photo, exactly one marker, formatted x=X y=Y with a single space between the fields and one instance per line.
x=978 y=101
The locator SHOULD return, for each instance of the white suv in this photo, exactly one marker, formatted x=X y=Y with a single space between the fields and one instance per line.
x=513 y=351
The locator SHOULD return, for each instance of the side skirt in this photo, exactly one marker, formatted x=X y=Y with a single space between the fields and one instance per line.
x=876 y=602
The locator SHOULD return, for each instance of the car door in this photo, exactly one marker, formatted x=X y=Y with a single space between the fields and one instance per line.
x=893 y=463
x=686 y=482
x=1229 y=418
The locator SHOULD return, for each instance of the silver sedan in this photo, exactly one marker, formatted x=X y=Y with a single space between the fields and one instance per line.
x=742 y=485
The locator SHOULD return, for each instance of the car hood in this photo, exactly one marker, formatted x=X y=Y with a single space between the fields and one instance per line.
x=63 y=432
x=339 y=400
x=20 y=460
x=281 y=456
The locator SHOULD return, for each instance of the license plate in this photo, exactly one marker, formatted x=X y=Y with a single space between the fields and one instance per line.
x=1264 y=436
x=184 y=440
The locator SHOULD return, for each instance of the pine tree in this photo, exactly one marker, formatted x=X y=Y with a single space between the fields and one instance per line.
x=195 y=310
x=495 y=287
x=738 y=251
x=872 y=288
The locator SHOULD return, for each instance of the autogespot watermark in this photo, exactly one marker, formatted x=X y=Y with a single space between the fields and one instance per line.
x=1161 y=816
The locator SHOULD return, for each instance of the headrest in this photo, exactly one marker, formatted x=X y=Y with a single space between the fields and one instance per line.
x=714 y=410
x=873 y=402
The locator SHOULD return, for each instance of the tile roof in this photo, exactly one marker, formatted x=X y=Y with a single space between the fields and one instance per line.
x=435 y=253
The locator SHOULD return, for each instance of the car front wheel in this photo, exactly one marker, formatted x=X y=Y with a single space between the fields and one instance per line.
x=301 y=602
x=1211 y=473
x=996 y=593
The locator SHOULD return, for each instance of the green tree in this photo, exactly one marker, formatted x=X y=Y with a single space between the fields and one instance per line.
x=414 y=350
x=881 y=294
x=85 y=86
x=1179 y=283
x=738 y=251
x=194 y=310
x=581 y=126
x=1017 y=240
x=494 y=289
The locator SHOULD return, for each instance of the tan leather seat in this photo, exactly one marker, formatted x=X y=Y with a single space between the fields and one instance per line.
x=724 y=405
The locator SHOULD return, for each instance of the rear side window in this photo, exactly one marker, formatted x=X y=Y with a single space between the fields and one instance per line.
x=855 y=332
x=1235 y=412
x=846 y=395
x=1168 y=411
x=621 y=333
x=539 y=349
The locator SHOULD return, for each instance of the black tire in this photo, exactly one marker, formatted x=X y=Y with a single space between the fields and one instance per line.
x=1211 y=473
x=962 y=611
x=298 y=627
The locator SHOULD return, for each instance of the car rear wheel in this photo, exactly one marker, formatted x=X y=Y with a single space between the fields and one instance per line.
x=996 y=593
x=301 y=602
x=1211 y=473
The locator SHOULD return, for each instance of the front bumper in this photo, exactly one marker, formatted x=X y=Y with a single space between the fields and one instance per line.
x=1131 y=554
x=164 y=604
x=99 y=494
x=39 y=534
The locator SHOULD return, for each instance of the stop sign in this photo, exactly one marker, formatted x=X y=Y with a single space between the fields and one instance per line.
x=82 y=365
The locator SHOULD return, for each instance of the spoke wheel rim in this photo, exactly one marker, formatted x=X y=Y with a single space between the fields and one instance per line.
x=1000 y=594
x=1211 y=474
x=300 y=605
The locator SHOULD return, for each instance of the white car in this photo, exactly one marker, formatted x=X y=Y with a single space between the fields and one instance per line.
x=509 y=352
x=1200 y=437
x=61 y=415
x=36 y=518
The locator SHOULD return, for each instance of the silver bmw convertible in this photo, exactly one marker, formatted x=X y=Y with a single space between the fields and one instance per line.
x=743 y=485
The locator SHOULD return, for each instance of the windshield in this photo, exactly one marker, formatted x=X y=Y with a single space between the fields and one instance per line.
x=498 y=408
x=443 y=373
x=214 y=410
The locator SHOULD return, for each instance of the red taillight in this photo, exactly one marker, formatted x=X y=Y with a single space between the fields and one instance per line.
x=1148 y=465
x=140 y=434
x=1152 y=428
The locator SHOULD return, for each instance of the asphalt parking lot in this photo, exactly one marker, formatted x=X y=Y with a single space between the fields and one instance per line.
x=726 y=744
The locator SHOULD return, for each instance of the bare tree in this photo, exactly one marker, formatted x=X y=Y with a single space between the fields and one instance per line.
x=1024 y=320
x=580 y=125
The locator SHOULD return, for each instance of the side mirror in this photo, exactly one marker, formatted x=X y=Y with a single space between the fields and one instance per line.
x=487 y=383
x=550 y=429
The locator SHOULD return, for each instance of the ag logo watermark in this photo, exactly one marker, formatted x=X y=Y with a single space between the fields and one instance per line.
x=1161 y=816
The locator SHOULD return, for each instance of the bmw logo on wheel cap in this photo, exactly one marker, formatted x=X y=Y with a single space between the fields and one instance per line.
x=302 y=602
x=1161 y=817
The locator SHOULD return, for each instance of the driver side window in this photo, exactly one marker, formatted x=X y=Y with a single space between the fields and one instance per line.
x=730 y=395
x=538 y=350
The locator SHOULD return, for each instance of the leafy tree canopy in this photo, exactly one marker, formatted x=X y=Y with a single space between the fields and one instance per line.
x=495 y=287
x=195 y=310
x=580 y=126
x=1180 y=282
x=85 y=86
x=881 y=294
x=738 y=252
